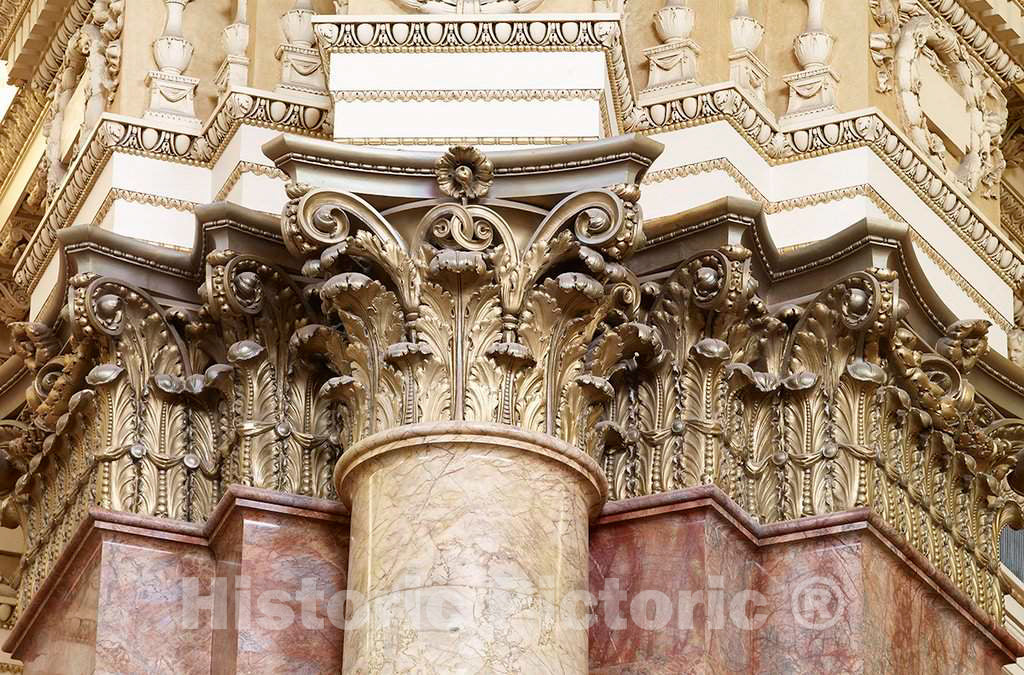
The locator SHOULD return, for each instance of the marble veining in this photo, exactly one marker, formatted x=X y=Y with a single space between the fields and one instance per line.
x=465 y=547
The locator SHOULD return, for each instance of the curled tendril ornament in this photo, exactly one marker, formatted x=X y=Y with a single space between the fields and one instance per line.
x=331 y=220
x=108 y=310
x=464 y=173
x=593 y=224
x=248 y=290
x=707 y=283
x=709 y=274
x=858 y=301
x=455 y=224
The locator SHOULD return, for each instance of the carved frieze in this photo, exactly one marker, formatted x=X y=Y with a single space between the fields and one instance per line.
x=807 y=410
x=285 y=434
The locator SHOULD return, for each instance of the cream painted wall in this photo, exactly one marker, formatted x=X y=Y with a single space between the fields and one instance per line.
x=204 y=22
x=265 y=35
x=143 y=22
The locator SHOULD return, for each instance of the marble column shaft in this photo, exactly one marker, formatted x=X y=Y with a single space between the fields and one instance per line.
x=469 y=543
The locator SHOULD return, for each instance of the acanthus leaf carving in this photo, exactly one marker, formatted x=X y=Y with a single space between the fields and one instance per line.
x=476 y=307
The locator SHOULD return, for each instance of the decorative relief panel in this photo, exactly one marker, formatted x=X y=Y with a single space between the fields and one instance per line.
x=152 y=410
x=913 y=37
x=284 y=433
x=809 y=410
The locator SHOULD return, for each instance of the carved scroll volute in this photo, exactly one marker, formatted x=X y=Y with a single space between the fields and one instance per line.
x=531 y=312
x=938 y=385
x=42 y=457
x=378 y=305
x=157 y=434
x=55 y=377
x=334 y=225
x=13 y=465
x=555 y=296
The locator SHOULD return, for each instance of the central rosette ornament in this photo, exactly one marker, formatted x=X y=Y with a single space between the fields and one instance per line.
x=464 y=173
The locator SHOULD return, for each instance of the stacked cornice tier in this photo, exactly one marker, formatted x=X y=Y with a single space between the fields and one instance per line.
x=433 y=274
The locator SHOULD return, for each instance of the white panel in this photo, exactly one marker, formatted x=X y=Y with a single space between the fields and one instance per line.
x=96 y=196
x=262 y=193
x=674 y=196
x=74 y=115
x=486 y=70
x=153 y=224
x=805 y=226
x=46 y=283
x=246 y=145
x=466 y=119
x=167 y=179
x=712 y=141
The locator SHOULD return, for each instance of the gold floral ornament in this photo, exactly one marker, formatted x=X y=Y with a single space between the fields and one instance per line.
x=464 y=173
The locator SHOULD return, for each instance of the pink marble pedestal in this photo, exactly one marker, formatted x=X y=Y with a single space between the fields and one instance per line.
x=701 y=588
x=135 y=594
x=685 y=583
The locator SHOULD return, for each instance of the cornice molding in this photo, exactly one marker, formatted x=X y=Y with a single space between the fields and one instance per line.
x=134 y=197
x=870 y=130
x=867 y=191
x=437 y=141
x=867 y=128
x=978 y=40
x=11 y=14
x=1011 y=211
x=464 y=32
x=116 y=133
x=246 y=167
x=599 y=32
x=447 y=95
x=22 y=121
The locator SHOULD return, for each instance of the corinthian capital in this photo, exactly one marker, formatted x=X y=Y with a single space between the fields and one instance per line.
x=470 y=287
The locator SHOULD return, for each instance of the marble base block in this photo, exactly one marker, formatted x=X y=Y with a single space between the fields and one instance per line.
x=114 y=604
x=469 y=543
x=246 y=592
x=292 y=556
x=689 y=583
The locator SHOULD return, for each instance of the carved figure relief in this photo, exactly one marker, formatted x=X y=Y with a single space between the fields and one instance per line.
x=94 y=53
